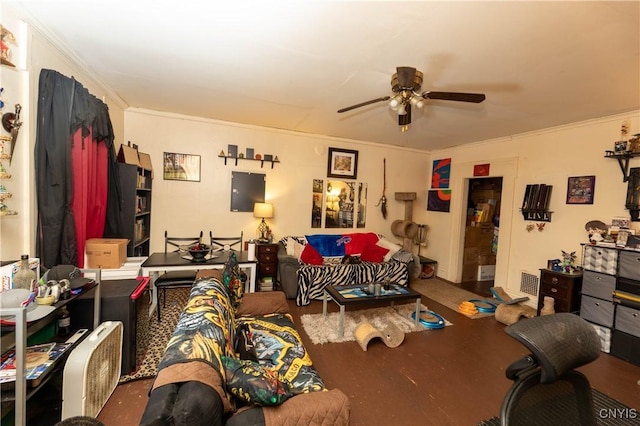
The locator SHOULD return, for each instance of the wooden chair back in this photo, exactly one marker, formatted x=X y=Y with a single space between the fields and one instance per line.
x=226 y=243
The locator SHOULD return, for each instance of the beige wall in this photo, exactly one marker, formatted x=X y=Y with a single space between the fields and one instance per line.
x=188 y=207
x=549 y=156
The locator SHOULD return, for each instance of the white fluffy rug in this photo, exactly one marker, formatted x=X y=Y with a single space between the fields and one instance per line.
x=325 y=330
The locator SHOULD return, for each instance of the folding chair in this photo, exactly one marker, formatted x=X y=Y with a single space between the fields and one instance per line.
x=175 y=279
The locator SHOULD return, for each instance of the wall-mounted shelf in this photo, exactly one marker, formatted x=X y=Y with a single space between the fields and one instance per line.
x=537 y=215
x=535 y=203
x=261 y=160
x=623 y=161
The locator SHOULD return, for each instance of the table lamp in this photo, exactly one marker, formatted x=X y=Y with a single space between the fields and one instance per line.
x=264 y=211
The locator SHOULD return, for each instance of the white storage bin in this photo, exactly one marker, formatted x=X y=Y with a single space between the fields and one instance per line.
x=600 y=259
x=605 y=337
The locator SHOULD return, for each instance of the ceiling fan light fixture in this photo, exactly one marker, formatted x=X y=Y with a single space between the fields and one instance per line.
x=405 y=85
x=417 y=101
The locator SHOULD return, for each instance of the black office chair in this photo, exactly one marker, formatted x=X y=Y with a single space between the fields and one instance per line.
x=547 y=389
x=175 y=279
x=226 y=243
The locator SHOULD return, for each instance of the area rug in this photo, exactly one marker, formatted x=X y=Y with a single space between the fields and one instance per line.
x=447 y=295
x=609 y=412
x=158 y=335
x=325 y=330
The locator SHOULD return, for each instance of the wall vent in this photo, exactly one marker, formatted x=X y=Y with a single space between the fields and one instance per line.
x=529 y=283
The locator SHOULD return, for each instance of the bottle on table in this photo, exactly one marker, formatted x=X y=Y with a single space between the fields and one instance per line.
x=25 y=276
x=64 y=322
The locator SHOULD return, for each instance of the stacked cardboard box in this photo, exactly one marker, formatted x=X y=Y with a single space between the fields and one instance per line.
x=478 y=251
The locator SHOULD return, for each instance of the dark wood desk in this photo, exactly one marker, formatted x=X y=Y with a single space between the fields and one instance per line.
x=175 y=261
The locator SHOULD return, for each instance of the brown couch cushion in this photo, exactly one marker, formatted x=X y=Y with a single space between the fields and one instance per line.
x=215 y=273
x=262 y=303
x=326 y=408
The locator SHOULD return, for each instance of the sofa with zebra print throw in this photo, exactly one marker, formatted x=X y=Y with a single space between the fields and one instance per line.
x=306 y=265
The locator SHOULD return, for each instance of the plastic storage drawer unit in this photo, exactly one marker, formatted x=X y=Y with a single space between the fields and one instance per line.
x=629 y=265
x=600 y=259
x=598 y=285
x=597 y=310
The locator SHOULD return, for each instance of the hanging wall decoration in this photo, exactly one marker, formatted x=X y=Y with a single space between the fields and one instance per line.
x=343 y=163
x=580 y=189
x=441 y=173
x=181 y=167
x=439 y=200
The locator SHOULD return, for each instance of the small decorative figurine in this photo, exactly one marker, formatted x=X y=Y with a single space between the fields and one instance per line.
x=568 y=260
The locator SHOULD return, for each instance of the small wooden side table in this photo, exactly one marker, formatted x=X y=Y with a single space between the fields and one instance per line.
x=564 y=288
x=267 y=255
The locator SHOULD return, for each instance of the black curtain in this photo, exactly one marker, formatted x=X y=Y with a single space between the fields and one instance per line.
x=64 y=107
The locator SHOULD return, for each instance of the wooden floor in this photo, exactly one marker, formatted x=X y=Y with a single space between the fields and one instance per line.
x=453 y=376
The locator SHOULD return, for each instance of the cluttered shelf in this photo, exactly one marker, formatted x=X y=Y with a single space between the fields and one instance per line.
x=535 y=204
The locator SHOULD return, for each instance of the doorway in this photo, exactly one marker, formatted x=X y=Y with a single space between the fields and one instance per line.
x=482 y=230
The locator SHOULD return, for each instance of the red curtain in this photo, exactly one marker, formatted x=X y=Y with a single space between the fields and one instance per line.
x=90 y=185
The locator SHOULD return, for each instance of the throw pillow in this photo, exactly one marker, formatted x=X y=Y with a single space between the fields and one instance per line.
x=311 y=256
x=359 y=240
x=289 y=246
x=297 y=249
x=251 y=382
x=328 y=245
x=232 y=279
x=393 y=247
x=373 y=253
x=244 y=345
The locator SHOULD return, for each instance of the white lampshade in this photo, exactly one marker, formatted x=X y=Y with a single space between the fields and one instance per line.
x=263 y=210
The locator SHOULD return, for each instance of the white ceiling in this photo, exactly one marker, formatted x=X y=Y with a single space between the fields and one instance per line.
x=292 y=65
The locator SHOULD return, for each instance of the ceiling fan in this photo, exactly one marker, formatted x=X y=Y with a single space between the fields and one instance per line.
x=405 y=84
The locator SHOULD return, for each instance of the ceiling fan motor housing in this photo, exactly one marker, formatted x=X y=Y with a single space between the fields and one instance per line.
x=406 y=78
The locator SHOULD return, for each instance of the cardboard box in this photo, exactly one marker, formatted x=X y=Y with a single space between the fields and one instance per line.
x=486 y=272
x=128 y=155
x=486 y=259
x=469 y=272
x=479 y=236
x=145 y=161
x=470 y=255
x=107 y=253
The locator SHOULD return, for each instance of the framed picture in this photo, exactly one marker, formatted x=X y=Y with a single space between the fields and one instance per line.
x=439 y=200
x=580 y=189
x=343 y=163
x=181 y=167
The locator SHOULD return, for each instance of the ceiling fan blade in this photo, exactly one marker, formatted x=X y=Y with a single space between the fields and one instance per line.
x=455 y=96
x=372 y=101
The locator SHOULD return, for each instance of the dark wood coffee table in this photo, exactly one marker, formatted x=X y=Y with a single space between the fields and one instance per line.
x=356 y=295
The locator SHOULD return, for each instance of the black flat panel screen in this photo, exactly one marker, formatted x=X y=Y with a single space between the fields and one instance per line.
x=246 y=189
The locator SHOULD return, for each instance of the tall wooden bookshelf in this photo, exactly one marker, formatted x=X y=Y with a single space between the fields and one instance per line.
x=135 y=212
